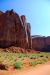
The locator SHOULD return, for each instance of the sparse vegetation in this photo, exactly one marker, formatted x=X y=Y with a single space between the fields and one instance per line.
x=35 y=62
x=18 y=59
x=18 y=65
x=3 y=67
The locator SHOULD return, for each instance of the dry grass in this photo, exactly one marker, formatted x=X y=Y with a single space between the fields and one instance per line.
x=26 y=58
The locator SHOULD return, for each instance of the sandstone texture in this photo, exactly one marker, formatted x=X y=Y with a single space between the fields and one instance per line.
x=16 y=31
x=41 y=43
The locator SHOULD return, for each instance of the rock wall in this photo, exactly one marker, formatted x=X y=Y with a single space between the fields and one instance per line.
x=29 y=35
x=1 y=12
x=41 y=43
x=13 y=30
x=27 y=28
x=16 y=31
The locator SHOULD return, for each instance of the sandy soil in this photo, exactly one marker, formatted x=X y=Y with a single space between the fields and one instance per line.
x=38 y=70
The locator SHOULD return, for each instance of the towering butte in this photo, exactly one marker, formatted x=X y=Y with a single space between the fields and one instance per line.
x=15 y=31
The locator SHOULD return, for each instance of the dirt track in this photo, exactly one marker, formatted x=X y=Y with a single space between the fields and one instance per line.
x=39 y=70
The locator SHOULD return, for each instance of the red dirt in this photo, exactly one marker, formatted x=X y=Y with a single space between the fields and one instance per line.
x=38 y=70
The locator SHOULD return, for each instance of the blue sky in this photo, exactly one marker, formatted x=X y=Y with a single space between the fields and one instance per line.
x=37 y=13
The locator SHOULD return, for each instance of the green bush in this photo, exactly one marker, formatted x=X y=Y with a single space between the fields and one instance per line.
x=18 y=65
x=33 y=63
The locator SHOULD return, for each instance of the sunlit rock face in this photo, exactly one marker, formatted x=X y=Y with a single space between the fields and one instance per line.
x=29 y=35
x=13 y=30
x=27 y=28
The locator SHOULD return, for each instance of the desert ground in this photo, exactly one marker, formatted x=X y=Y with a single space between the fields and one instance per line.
x=38 y=70
x=24 y=63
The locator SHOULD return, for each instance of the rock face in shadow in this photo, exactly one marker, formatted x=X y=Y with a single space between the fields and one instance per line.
x=41 y=43
x=13 y=30
x=1 y=12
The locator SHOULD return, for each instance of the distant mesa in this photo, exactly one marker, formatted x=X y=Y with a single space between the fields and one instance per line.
x=16 y=31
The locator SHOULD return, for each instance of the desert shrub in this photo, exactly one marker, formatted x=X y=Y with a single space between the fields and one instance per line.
x=20 y=56
x=41 y=56
x=18 y=65
x=45 y=60
x=46 y=56
x=32 y=57
x=3 y=67
x=33 y=63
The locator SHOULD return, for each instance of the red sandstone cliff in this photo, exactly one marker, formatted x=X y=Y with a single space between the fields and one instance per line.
x=41 y=43
x=13 y=30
